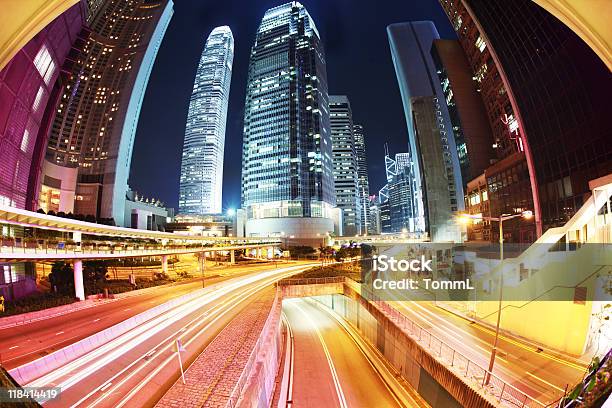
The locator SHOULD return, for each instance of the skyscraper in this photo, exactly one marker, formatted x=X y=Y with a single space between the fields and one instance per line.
x=345 y=162
x=363 y=183
x=430 y=132
x=202 y=164
x=547 y=97
x=29 y=89
x=287 y=178
x=396 y=200
x=90 y=144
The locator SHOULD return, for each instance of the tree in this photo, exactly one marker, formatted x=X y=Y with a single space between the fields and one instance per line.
x=62 y=278
x=94 y=274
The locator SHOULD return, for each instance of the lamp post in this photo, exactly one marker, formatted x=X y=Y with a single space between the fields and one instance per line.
x=500 y=220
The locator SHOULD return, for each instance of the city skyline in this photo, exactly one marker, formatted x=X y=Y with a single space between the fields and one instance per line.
x=379 y=125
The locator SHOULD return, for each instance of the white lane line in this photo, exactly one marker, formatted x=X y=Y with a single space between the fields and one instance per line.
x=58 y=333
x=105 y=386
x=265 y=277
x=330 y=362
x=544 y=381
x=14 y=347
x=96 y=320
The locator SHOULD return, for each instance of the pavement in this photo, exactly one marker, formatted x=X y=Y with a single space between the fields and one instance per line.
x=329 y=368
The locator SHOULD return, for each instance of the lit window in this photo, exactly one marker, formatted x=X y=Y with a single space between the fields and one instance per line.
x=481 y=44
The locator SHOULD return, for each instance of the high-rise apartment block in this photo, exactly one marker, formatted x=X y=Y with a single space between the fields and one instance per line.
x=287 y=173
x=201 y=182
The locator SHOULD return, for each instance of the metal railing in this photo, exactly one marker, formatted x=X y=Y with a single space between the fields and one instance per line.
x=310 y=281
x=474 y=373
x=85 y=250
x=461 y=365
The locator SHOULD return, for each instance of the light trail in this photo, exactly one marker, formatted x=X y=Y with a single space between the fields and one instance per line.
x=94 y=360
x=243 y=295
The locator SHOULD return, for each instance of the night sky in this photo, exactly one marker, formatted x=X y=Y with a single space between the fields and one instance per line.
x=358 y=65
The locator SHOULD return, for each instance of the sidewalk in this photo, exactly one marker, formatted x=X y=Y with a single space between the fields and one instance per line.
x=214 y=374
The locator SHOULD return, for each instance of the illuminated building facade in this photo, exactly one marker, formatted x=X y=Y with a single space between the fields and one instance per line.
x=346 y=177
x=201 y=183
x=430 y=132
x=363 y=183
x=90 y=142
x=546 y=95
x=287 y=173
x=29 y=89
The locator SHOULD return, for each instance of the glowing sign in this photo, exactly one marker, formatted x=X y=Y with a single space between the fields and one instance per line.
x=513 y=128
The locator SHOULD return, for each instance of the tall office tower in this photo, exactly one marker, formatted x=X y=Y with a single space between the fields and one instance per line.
x=473 y=134
x=29 y=90
x=546 y=95
x=202 y=164
x=397 y=200
x=345 y=163
x=287 y=176
x=363 y=183
x=431 y=137
x=90 y=143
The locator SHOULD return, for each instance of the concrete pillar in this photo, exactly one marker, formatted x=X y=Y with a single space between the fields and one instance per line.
x=76 y=236
x=78 y=279
x=258 y=253
x=232 y=257
x=164 y=262
x=270 y=252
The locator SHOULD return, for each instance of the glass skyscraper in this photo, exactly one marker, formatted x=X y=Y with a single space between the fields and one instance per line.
x=345 y=157
x=287 y=179
x=202 y=162
x=363 y=183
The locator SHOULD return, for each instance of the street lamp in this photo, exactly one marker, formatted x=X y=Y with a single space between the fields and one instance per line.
x=504 y=217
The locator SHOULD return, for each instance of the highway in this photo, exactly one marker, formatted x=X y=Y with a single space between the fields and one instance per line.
x=329 y=368
x=542 y=374
x=22 y=344
x=538 y=373
x=136 y=368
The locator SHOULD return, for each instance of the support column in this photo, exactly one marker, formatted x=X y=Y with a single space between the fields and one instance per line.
x=258 y=253
x=78 y=279
x=164 y=262
x=270 y=252
x=232 y=257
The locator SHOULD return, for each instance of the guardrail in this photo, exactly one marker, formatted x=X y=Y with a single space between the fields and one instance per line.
x=119 y=251
x=503 y=392
x=271 y=324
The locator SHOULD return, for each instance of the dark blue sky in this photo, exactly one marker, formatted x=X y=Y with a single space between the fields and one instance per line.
x=358 y=65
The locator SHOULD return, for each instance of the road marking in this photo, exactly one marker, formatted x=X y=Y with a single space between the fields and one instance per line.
x=330 y=362
x=126 y=310
x=97 y=320
x=544 y=381
x=58 y=333
x=14 y=347
x=105 y=386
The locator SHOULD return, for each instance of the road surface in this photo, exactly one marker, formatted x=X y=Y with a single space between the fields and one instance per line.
x=25 y=343
x=136 y=368
x=329 y=368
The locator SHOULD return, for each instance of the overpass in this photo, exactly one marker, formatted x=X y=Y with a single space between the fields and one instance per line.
x=165 y=244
